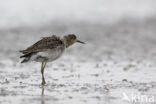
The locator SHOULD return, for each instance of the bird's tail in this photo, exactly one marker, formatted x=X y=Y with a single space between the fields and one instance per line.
x=25 y=60
x=26 y=57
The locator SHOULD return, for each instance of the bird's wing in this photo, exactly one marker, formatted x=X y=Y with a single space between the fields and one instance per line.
x=44 y=44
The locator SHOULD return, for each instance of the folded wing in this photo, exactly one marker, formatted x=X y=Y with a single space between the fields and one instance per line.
x=44 y=44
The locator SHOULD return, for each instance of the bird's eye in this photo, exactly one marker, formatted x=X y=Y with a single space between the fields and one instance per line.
x=74 y=37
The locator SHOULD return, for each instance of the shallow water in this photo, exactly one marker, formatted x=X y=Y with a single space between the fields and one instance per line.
x=80 y=82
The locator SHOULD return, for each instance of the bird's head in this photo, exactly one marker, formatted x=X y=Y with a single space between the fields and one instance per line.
x=71 y=39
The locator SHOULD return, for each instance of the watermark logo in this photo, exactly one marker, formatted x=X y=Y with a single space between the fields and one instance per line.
x=137 y=97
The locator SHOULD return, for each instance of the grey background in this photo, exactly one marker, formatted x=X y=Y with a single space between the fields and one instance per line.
x=121 y=25
x=119 y=56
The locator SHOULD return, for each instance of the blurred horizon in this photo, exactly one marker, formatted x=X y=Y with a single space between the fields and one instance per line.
x=121 y=27
x=37 y=12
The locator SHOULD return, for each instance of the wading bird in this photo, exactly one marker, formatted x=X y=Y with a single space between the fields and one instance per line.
x=48 y=49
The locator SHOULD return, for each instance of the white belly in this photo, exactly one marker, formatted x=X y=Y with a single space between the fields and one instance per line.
x=49 y=55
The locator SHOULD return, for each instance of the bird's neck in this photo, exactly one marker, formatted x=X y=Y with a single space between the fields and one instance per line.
x=66 y=43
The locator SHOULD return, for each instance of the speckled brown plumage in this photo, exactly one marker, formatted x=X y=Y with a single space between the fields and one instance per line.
x=44 y=44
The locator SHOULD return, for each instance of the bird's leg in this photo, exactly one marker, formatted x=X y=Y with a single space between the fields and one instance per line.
x=42 y=72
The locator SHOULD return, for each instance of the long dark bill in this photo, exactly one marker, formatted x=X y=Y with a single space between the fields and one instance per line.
x=81 y=42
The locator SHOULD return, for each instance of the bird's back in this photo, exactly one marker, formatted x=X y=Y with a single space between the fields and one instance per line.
x=46 y=43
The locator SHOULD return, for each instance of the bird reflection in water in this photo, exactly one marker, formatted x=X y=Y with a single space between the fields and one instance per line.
x=42 y=96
